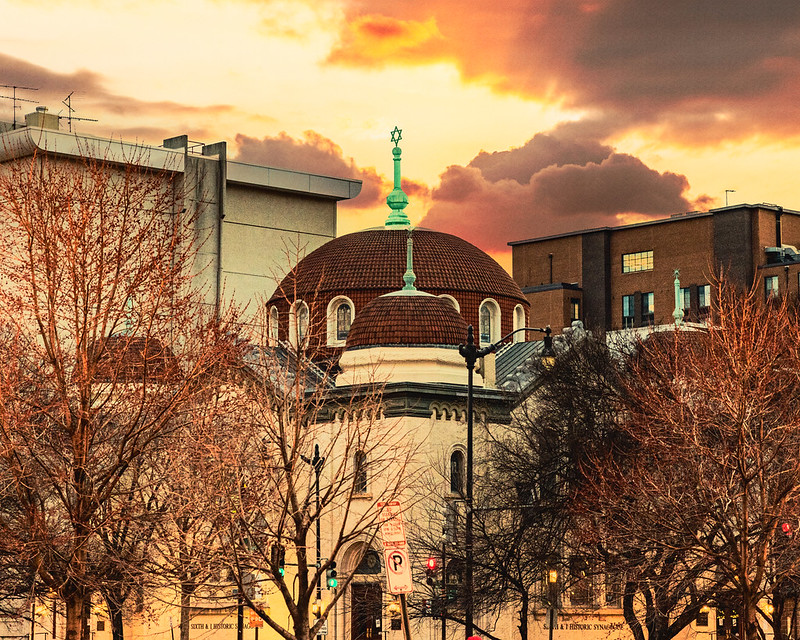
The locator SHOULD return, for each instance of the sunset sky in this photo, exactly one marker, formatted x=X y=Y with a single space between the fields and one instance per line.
x=520 y=118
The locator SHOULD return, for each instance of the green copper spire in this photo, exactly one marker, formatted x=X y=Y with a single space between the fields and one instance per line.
x=397 y=199
x=677 y=315
x=409 y=277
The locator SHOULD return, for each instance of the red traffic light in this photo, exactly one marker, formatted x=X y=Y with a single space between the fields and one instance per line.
x=431 y=565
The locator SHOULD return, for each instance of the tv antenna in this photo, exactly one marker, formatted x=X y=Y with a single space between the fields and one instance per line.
x=67 y=102
x=14 y=97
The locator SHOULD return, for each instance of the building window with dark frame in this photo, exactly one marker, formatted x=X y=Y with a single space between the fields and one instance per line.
x=770 y=287
x=574 y=308
x=343 y=321
x=648 y=308
x=638 y=261
x=457 y=472
x=686 y=300
x=627 y=311
x=581 y=593
x=360 y=482
x=704 y=298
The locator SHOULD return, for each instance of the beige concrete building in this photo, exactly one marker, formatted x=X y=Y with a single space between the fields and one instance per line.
x=254 y=221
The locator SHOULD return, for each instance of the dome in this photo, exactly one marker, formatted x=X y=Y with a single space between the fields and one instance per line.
x=409 y=319
x=374 y=260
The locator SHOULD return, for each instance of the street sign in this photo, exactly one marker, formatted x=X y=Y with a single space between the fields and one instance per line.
x=398 y=570
x=323 y=630
x=256 y=621
x=393 y=532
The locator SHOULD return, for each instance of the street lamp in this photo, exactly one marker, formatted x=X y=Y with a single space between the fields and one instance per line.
x=316 y=463
x=471 y=352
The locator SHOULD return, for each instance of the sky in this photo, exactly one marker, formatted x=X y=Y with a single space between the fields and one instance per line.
x=520 y=118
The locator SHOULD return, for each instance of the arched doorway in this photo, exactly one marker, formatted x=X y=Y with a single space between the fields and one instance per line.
x=366 y=595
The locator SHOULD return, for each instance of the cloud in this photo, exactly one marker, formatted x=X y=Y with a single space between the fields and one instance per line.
x=116 y=114
x=552 y=184
x=317 y=154
x=692 y=71
x=373 y=40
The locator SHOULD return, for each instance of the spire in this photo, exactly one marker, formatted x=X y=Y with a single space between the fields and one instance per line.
x=409 y=277
x=397 y=199
x=677 y=315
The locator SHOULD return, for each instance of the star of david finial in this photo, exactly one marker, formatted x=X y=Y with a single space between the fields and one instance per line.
x=397 y=136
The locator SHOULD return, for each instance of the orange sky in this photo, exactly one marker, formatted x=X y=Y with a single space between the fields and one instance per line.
x=520 y=118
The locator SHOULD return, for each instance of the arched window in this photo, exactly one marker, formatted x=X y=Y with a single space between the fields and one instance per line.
x=452 y=301
x=370 y=564
x=489 y=322
x=298 y=323
x=340 y=316
x=343 y=319
x=457 y=472
x=360 y=483
x=519 y=323
x=273 y=326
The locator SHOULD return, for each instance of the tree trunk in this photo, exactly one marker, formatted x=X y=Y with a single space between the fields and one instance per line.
x=76 y=623
x=186 y=600
x=117 y=631
x=523 y=618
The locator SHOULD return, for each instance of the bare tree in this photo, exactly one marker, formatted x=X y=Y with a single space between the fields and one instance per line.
x=295 y=462
x=104 y=341
x=710 y=468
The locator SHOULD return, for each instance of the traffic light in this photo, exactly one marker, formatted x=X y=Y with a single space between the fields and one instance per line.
x=278 y=558
x=316 y=609
x=330 y=576
x=430 y=571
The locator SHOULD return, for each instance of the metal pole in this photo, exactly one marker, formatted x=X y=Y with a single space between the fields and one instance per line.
x=443 y=590
x=470 y=352
x=317 y=462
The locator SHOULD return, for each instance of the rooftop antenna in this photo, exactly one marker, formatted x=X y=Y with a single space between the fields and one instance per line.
x=67 y=102
x=14 y=97
x=727 y=191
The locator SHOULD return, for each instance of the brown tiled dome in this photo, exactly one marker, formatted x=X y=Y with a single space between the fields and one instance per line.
x=375 y=259
x=407 y=319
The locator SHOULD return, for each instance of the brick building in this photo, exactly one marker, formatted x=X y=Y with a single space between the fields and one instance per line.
x=621 y=277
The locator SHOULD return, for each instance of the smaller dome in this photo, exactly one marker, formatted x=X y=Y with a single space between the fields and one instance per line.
x=405 y=318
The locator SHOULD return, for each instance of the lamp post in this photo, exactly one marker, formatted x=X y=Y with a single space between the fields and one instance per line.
x=471 y=352
x=316 y=463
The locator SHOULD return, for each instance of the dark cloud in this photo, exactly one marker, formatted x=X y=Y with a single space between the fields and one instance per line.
x=317 y=154
x=571 y=184
x=708 y=71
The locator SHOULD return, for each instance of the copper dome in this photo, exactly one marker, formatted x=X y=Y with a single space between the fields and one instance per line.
x=407 y=319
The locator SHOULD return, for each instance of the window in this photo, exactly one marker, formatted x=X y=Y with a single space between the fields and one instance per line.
x=360 y=472
x=581 y=592
x=273 y=326
x=340 y=314
x=704 y=297
x=770 y=287
x=489 y=322
x=370 y=564
x=574 y=308
x=702 y=619
x=648 y=308
x=627 y=311
x=457 y=472
x=451 y=300
x=639 y=261
x=486 y=325
x=343 y=320
x=686 y=300
x=613 y=587
x=519 y=323
x=298 y=323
